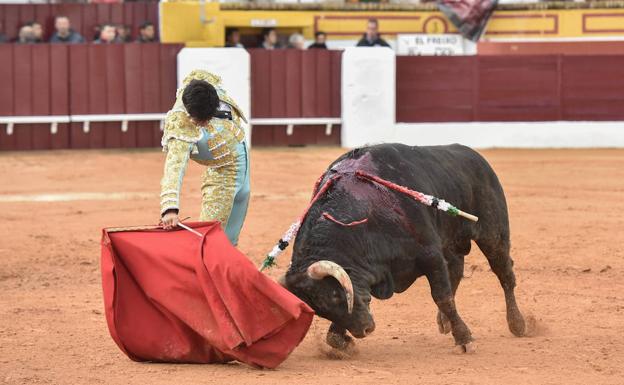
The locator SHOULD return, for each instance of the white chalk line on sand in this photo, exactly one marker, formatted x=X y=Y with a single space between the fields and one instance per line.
x=80 y=196
x=118 y=196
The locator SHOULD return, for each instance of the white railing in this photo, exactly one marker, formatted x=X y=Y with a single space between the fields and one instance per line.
x=123 y=118
x=54 y=120
x=86 y=120
x=291 y=122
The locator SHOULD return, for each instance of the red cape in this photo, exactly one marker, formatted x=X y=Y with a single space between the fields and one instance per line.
x=171 y=296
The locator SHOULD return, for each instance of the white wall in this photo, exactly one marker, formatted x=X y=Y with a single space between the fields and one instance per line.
x=368 y=93
x=512 y=134
x=368 y=114
x=231 y=64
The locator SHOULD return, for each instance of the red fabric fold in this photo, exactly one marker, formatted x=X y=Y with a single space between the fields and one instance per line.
x=171 y=296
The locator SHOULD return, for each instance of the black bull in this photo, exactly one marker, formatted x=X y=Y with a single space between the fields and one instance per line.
x=393 y=239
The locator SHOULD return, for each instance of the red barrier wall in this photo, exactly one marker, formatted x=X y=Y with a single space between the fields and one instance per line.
x=295 y=84
x=54 y=79
x=83 y=17
x=614 y=47
x=510 y=88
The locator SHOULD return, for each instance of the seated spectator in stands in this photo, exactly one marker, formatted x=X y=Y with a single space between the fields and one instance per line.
x=64 y=33
x=108 y=35
x=147 y=33
x=269 y=39
x=371 y=38
x=319 y=41
x=296 y=41
x=3 y=38
x=96 y=31
x=123 y=33
x=37 y=31
x=26 y=35
x=232 y=38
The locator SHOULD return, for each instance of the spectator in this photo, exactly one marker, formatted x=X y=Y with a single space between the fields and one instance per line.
x=37 y=31
x=123 y=33
x=96 y=31
x=3 y=38
x=107 y=35
x=371 y=38
x=64 y=33
x=26 y=35
x=147 y=33
x=296 y=41
x=232 y=38
x=269 y=39
x=319 y=41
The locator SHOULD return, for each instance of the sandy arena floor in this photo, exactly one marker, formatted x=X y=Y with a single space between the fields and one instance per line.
x=567 y=240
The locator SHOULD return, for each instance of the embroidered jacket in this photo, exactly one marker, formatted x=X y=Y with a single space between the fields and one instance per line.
x=182 y=139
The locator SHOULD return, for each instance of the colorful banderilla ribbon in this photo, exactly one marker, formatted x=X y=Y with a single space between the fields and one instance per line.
x=292 y=231
x=427 y=200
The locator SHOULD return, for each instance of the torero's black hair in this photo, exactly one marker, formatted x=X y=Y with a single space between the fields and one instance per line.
x=200 y=100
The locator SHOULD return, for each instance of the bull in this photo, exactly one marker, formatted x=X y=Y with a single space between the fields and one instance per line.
x=360 y=240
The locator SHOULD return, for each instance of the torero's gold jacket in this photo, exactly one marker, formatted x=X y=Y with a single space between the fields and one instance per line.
x=182 y=139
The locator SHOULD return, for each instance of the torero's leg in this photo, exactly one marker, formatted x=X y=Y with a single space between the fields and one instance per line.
x=241 y=196
x=218 y=189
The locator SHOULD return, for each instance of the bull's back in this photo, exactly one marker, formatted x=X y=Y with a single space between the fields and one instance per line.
x=455 y=173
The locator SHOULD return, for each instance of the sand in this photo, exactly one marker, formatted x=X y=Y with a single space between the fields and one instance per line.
x=567 y=241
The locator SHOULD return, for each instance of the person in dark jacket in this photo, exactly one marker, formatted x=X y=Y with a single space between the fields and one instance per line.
x=371 y=38
x=64 y=33
x=108 y=35
x=269 y=39
x=3 y=38
x=147 y=33
x=232 y=38
x=124 y=33
x=319 y=41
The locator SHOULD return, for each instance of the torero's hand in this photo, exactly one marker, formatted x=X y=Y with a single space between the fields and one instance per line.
x=169 y=220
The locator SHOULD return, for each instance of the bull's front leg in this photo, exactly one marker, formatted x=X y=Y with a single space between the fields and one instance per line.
x=442 y=293
x=337 y=337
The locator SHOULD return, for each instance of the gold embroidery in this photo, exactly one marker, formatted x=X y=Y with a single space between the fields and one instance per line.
x=178 y=125
x=218 y=190
x=175 y=165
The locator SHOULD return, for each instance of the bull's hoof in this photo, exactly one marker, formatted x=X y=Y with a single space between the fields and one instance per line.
x=339 y=341
x=516 y=323
x=444 y=325
x=468 y=348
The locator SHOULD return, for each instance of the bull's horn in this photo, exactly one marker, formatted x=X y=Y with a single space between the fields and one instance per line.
x=282 y=281
x=322 y=269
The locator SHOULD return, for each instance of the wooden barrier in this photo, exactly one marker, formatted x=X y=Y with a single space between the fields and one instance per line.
x=510 y=88
x=80 y=79
x=295 y=84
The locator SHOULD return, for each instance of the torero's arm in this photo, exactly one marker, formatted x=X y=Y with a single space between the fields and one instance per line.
x=178 y=153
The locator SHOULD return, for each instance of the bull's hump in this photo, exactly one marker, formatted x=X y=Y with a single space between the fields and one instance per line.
x=350 y=165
